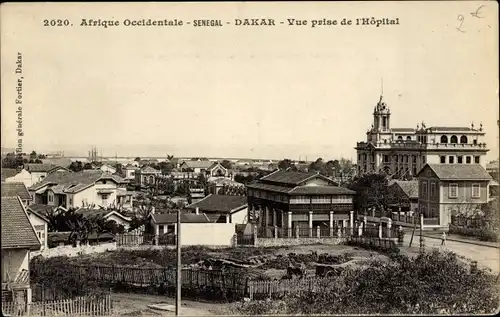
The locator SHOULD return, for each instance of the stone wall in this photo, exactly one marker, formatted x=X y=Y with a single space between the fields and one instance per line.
x=71 y=251
x=272 y=242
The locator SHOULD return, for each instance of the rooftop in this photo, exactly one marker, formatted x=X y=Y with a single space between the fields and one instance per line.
x=15 y=189
x=459 y=171
x=41 y=167
x=220 y=203
x=185 y=218
x=70 y=182
x=17 y=231
x=41 y=209
x=410 y=188
x=287 y=177
x=8 y=172
x=197 y=164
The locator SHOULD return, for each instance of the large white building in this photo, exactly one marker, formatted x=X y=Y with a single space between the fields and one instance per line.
x=404 y=151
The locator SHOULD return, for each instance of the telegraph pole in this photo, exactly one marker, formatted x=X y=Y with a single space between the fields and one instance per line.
x=179 y=266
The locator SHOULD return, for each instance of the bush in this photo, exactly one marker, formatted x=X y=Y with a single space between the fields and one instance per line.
x=431 y=283
x=482 y=233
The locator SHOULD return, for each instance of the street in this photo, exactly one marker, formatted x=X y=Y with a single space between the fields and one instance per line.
x=485 y=256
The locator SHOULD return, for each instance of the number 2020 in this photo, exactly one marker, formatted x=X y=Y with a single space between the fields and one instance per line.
x=56 y=22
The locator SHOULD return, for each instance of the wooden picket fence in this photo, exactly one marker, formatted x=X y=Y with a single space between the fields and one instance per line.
x=79 y=306
x=278 y=288
x=191 y=278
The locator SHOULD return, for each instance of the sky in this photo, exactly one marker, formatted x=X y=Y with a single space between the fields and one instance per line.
x=260 y=92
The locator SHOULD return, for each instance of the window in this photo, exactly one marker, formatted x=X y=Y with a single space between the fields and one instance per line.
x=475 y=191
x=459 y=159
x=443 y=159
x=423 y=159
x=444 y=139
x=474 y=142
x=433 y=189
x=359 y=157
x=400 y=137
x=476 y=159
x=424 y=189
x=39 y=234
x=463 y=139
x=386 y=158
x=453 y=192
x=451 y=159
x=71 y=201
x=467 y=159
x=160 y=229
x=453 y=139
x=104 y=182
x=408 y=138
x=414 y=159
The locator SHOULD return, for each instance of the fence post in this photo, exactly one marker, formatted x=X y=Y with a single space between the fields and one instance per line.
x=297 y=232
x=318 y=232
x=275 y=232
x=235 y=240
x=254 y=234
x=389 y=226
x=339 y=232
x=360 y=229
x=351 y=222
x=156 y=239
x=380 y=230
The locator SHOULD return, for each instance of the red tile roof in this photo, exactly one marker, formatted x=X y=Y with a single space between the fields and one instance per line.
x=75 y=182
x=17 y=231
x=15 y=189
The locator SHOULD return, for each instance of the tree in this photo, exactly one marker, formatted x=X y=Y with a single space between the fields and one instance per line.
x=76 y=166
x=170 y=157
x=166 y=167
x=286 y=164
x=87 y=166
x=372 y=191
x=318 y=166
x=345 y=166
x=227 y=164
x=137 y=159
x=33 y=155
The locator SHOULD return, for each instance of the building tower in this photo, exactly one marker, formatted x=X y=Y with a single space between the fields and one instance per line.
x=381 y=116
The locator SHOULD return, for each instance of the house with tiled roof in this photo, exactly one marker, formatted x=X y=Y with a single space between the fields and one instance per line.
x=447 y=190
x=16 y=190
x=93 y=188
x=404 y=196
x=222 y=208
x=128 y=172
x=39 y=171
x=109 y=215
x=196 y=166
x=18 y=239
x=146 y=176
x=288 y=200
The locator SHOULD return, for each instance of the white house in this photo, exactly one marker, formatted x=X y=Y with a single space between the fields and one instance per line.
x=128 y=172
x=39 y=171
x=107 y=168
x=40 y=224
x=222 y=208
x=110 y=215
x=82 y=189
x=22 y=176
x=18 y=239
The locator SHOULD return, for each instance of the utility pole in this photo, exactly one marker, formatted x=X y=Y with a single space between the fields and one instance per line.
x=179 y=266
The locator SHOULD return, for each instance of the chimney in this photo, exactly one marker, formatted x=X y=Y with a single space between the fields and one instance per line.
x=197 y=210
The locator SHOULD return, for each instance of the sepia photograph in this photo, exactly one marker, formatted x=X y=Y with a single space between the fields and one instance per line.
x=250 y=158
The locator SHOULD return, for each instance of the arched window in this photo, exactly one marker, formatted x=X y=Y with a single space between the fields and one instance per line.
x=408 y=138
x=400 y=138
x=463 y=139
x=453 y=139
x=444 y=139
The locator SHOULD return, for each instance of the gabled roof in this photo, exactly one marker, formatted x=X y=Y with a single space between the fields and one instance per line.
x=458 y=171
x=321 y=190
x=41 y=167
x=36 y=213
x=220 y=203
x=149 y=169
x=87 y=212
x=410 y=188
x=41 y=209
x=8 y=172
x=197 y=164
x=215 y=164
x=292 y=178
x=17 y=230
x=15 y=189
x=76 y=182
x=60 y=161
x=185 y=218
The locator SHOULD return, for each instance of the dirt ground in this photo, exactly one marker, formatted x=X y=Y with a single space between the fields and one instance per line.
x=136 y=305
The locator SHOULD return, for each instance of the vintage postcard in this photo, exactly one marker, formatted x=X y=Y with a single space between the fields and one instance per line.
x=250 y=158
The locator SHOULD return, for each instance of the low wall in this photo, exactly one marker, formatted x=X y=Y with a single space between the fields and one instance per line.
x=208 y=234
x=71 y=251
x=271 y=242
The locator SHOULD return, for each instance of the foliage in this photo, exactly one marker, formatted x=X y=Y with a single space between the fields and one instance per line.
x=287 y=164
x=482 y=233
x=12 y=160
x=431 y=283
x=76 y=166
x=372 y=191
x=227 y=164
